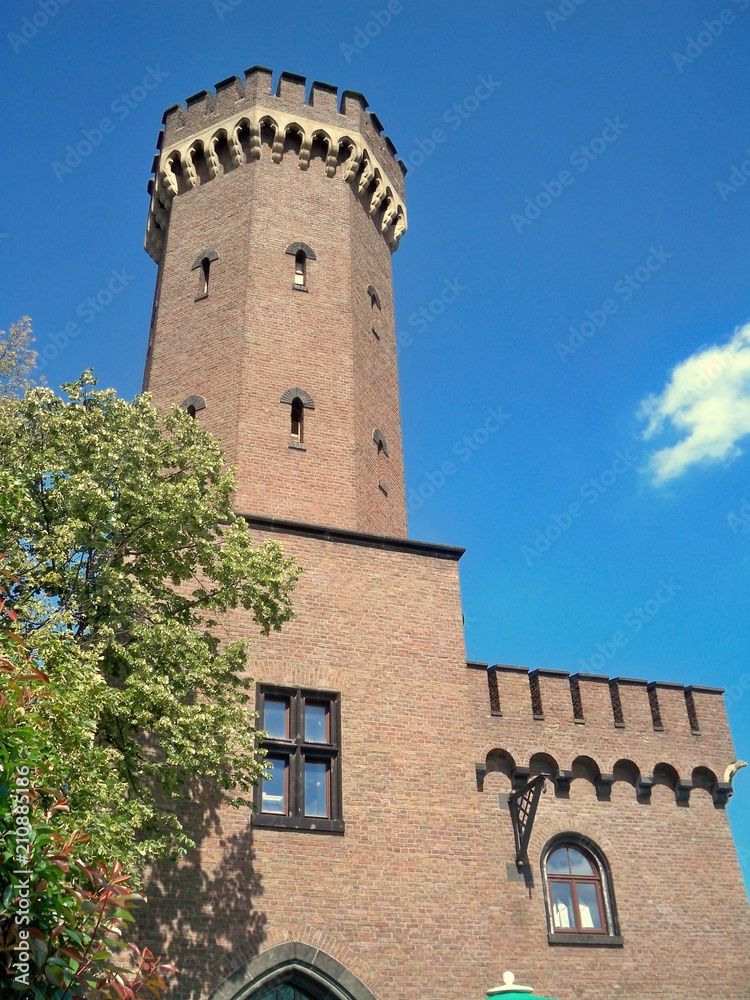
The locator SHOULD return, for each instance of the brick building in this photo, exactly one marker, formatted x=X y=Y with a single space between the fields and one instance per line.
x=384 y=858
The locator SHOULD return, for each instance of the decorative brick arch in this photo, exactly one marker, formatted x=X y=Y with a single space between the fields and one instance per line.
x=293 y=960
x=210 y=255
x=295 y=248
x=305 y=398
x=197 y=402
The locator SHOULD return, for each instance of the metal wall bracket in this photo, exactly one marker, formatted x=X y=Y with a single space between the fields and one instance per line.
x=522 y=805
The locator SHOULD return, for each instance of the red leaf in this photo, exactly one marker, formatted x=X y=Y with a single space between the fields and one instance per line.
x=71 y=953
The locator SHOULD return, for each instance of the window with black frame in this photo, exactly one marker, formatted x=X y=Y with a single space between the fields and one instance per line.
x=301 y=788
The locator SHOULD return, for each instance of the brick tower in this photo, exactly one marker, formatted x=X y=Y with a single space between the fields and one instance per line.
x=401 y=846
x=274 y=286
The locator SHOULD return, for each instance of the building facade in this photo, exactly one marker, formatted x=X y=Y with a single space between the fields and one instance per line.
x=427 y=823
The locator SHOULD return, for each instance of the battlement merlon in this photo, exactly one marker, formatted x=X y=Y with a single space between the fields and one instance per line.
x=229 y=121
x=653 y=724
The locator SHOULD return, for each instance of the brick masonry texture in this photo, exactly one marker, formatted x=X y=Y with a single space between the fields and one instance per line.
x=414 y=899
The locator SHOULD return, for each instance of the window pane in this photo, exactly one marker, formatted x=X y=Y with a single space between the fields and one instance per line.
x=579 y=863
x=588 y=906
x=273 y=798
x=316 y=722
x=557 y=862
x=316 y=788
x=562 y=906
x=275 y=718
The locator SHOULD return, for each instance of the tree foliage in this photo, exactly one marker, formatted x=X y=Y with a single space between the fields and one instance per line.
x=125 y=553
x=16 y=358
x=61 y=920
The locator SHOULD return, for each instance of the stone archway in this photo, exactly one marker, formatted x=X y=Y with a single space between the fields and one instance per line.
x=293 y=971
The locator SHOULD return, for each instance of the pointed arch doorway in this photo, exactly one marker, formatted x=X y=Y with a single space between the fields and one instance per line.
x=292 y=991
x=292 y=971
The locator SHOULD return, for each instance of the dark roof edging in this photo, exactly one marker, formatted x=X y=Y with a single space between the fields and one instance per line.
x=346 y=537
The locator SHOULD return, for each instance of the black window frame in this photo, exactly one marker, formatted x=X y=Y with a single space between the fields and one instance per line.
x=296 y=749
x=602 y=880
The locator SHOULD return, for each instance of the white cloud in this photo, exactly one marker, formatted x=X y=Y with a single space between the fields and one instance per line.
x=707 y=402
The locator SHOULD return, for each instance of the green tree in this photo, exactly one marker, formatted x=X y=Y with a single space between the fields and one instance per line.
x=16 y=357
x=125 y=553
x=61 y=920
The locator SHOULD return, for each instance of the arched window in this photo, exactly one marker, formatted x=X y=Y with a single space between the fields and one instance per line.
x=301 y=253
x=298 y=401
x=380 y=441
x=203 y=266
x=298 y=418
x=578 y=890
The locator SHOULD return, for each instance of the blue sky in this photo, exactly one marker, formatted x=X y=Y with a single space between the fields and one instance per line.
x=578 y=231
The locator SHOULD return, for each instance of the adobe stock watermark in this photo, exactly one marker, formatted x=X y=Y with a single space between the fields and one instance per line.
x=564 y=10
x=736 y=692
x=591 y=491
x=224 y=7
x=581 y=159
x=739 y=520
x=704 y=38
x=623 y=290
x=421 y=319
x=463 y=450
x=87 y=312
x=20 y=802
x=121 y=108
x=455 y=116
x=379 y=19
x=46 y=11
x=739 y=174
x=634 y=622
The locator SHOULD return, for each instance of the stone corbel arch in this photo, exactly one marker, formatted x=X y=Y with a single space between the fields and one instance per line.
x=177 y=171
x=293 y=961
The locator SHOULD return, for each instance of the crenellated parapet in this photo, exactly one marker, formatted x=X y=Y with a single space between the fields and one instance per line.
x=605 y=730
x=215 y=133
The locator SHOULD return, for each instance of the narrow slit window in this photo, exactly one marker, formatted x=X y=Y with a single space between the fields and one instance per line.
x=202 y=266
x=300 y=269
x=205 y=273
x=298 y=418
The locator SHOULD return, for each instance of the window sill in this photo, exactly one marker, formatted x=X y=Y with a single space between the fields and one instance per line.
x=311 y=824
x=298 y=446
x=587 y=940
x=203 y=295
x=299 y=288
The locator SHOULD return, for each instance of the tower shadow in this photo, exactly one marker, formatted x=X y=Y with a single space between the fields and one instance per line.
x=202 y=912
